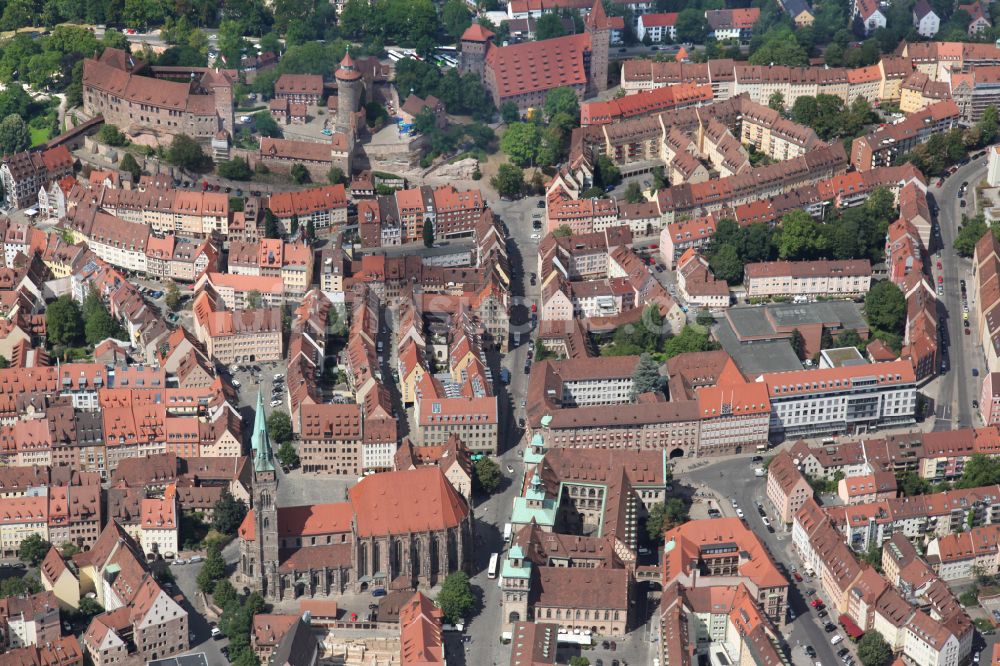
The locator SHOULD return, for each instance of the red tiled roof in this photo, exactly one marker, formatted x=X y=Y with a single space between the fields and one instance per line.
x=534 y=66
x=384 y=503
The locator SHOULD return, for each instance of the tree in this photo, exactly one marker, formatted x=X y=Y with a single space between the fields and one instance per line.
x=633 y=193
x=705 y=318
x=266 y=125
x=509 y=181
x=969 y=233
x=228 y=514
x=17 y=587
x=801 y=236
x=521 y=142
x=212 y=570
x=63 y=321
x=455 y=598
x=850 y=338
x=607 y=171
x=186 y=153
x=235 y=169
x=509 y=112
x=691 y=26
x=726 y=264
x=455 y=17
x=911 y=485
x=310 y=230
x=172 y=296
x=562 y=231
x=873 y=650
x=549 y=26
x=873 y=556
x=225 y=595
x=129 y=165
x=665 y=516
x=969 y=598
x=577 y=660
x=231 y=42
x=981 y=470
x=89 y=607
x=14 y=135
x=335 y=175
x=428 y=232
x=271 y=227
x=885 y=307
x=279 y=427
x=299 y=174
x=98 y=322
x=561 y=100
x=646 y=377
x=798 y=344
x=780 y=47
x=111 y=135
x=33 y=549
x=487 y=475
x=287 y=455
x=254 y=300
x=776 y=101
x=690 y=339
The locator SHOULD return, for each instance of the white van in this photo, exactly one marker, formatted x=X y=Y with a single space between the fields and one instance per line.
x=836 y=639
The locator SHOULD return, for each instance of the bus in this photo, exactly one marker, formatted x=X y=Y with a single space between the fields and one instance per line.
x=494 y=565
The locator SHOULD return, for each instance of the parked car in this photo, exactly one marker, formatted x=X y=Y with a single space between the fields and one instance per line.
x=378 y=592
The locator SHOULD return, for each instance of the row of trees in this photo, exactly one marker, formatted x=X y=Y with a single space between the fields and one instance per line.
x=461 y=95
x=831 y=118
x=981 y=470
x=52 y=62
x=848 y=233
x=944 y=149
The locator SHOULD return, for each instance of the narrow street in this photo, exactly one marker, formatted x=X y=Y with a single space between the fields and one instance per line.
x=957 y=388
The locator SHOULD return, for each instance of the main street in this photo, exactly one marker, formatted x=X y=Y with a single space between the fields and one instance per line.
x=957 y=387
x=733 y=478
x=484 y=647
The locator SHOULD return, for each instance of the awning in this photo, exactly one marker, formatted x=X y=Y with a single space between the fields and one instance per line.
x=851 y=627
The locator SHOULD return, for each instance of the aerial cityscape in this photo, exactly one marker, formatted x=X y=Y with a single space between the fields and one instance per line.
x=500 y=332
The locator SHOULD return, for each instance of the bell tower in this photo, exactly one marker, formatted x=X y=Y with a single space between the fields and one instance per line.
x=265 y=506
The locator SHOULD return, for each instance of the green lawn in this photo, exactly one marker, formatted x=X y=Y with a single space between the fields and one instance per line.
x=38 y=135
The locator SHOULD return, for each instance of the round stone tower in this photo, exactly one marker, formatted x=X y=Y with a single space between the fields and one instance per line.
x=350 y=88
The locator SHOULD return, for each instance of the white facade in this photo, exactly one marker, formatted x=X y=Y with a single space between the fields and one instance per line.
x=831 y=412
x=919 y=650
x=993 y=166
x=929 y=25
x=603 y=391
x=656 y=33
x=159 y=540
x=378 y=455
x=812 y=285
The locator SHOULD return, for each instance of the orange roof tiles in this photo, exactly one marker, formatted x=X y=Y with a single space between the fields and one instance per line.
x=384 y=503
x=534 y=66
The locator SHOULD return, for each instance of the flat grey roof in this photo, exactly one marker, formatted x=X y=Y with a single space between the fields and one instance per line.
x=754 y=321
x=757 y=357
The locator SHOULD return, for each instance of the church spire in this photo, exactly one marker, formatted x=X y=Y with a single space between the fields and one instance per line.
x=261 y=443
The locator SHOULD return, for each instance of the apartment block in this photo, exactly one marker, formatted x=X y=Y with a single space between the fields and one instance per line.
x=852 y=398
x=807 y=278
